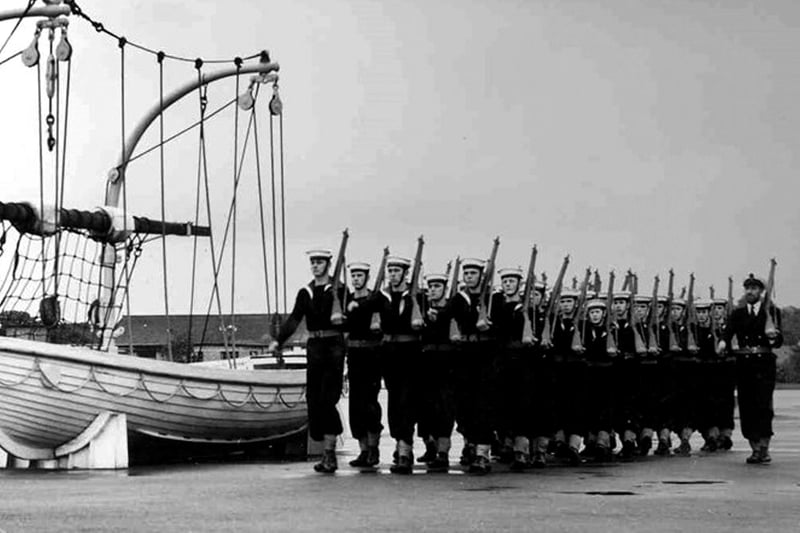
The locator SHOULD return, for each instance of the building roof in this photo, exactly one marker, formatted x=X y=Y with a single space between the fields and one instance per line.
x=249 y=329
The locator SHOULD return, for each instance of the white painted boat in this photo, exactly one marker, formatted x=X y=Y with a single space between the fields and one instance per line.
x=50 y=394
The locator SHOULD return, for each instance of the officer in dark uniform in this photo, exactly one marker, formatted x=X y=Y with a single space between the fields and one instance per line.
x=363 y=369
x=401 y=353
x=438 y=396
x=723 y=382
x=475 y=374
x=755 y=366
x=325 y=352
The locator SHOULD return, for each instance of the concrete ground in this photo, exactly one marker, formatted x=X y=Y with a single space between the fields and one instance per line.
x=707 y=493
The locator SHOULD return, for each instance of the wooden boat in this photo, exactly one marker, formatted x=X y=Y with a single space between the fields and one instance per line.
x=49 y=394
x=79 y=405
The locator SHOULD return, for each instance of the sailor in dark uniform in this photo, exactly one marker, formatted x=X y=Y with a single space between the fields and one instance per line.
x=568 y=374
x=625 y=410
x=514 y=367
x=645 y=376
x=665 y=412
x=707 y=366
x=475 y=373
x=542 y=416
x=681 y=408
x=438 y=397
x=325 y=353
x=755 y=366
x=401 y=353
x=599 y=373
x=363 y=369
x=723 y=382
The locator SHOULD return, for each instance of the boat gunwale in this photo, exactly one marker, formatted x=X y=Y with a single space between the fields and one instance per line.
x=87 y=356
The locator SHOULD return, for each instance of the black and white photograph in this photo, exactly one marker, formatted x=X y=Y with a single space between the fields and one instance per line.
x=384 y=265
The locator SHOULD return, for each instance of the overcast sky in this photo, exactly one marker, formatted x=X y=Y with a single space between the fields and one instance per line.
x=626 y=133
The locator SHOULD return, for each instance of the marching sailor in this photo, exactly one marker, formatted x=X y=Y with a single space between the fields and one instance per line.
x=325 y=352
x=363 y=368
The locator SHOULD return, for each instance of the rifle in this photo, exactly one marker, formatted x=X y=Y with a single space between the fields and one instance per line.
x=674 y=346
x=691 y=318
x=598 y=283
x=417 y=321
x=337 y=316
x=577 y=336
x=547 y=333
x=485 y=299
x=769 y=328
x=455 y=332
x=528 y=336
x=611 y=345
x=375 y=324
x=729 y=310
x=711 y=322
x=653 y=326
x=638 y=342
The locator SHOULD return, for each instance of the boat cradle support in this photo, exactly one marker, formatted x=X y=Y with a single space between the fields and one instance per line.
x=102 y=445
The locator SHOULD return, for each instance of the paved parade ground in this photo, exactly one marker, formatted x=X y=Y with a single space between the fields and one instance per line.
x=705 y=493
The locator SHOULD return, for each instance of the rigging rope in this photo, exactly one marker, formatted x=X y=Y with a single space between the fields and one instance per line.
x=163 y=206
x=100 y=28
x=203 y=102
x=261 y=212
x=235 y=211
x=215 y=296
x=126 y=270
x=274 y=210
x=19 y=21
x=283 y=209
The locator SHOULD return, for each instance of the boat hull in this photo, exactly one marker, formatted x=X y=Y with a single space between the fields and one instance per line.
x=50 y=393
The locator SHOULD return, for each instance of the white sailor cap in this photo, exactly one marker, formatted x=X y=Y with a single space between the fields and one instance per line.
x=679 y=301
x=319 y=253
x=569 y=293
x=596 y=303
x=538 y=286
x=703 y=303
x=662 y=299
x=472 y=263
x=642 y=299
x=622 y=295
x=590 y=295
x=397 y=261
x=359 y=266
x=510 y=272
x=720 y=301
x=436 y=278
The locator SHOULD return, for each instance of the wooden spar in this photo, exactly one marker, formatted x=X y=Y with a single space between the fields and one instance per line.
x=116 y=176
x=48 y=11
x=25 y=218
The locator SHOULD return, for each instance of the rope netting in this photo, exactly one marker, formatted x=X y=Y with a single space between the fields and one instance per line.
x=72 y=286
x=63 y=294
